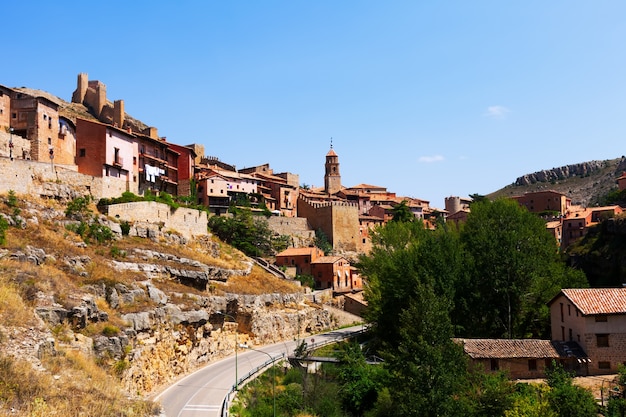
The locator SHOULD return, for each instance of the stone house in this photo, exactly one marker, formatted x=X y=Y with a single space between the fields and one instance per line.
x=33 y=116
x=299 y=258
x=336 y=273
x=110 y=153
x=595 y=318
x=543 y=201
x=522 y=358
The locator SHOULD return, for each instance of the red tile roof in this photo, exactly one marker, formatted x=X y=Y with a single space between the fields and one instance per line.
x=298 y=251
x=597 y=300
x=508 y=348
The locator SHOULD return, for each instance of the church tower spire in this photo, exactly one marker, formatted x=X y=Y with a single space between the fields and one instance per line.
x=332 y=178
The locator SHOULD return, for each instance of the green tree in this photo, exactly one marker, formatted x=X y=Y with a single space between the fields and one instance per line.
x=405 y=255
x=429 y=370
x=244 y=231
x=514 y=269
x=359 y=382
x=567 y=399
x=321 y=241
x=4 y=225
x=402 y=213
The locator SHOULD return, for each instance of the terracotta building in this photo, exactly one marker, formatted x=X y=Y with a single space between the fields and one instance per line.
x=299 y=258
x=110 y=153
x=335 y=272
x=158 y=163
x=279 y=191
x=545 y=201
x=595 y=318
x=577 y=223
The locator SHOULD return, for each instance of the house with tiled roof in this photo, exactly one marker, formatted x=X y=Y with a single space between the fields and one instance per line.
x=335 y=272
x=577 y=222
x=595 y=318
x=299 y=259
x=523 y=358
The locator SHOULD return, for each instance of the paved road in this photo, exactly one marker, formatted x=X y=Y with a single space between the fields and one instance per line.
x=202 y=393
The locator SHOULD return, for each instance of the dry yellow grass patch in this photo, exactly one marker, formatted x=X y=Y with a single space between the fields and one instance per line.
x=258 y=282
x=73 y=385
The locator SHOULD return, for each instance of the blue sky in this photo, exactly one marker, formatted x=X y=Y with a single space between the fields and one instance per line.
x=426 y=98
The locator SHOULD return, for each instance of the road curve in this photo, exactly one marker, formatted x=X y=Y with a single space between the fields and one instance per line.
x=202 y=392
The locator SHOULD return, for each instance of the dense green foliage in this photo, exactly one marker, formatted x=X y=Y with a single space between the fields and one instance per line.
x=566 y=399
x=321 y=241
x=87 y=227
x=491 y=278
x=600 y=254
x=513 y=269
x=250 y=234
x=4 y=225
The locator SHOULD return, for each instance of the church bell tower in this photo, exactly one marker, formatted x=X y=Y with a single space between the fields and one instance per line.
x=332 y=178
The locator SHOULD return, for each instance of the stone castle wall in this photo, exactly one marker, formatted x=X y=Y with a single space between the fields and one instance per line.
x=297 y=228
x=338 y=220
x=187 y=222
x=55 y=181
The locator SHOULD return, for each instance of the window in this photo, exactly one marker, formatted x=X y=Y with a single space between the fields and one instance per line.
x=82 y=152
x=569 y=309
x=571 y=337
x=561 y=312
x=532 y=364
x=494 y=365
x=601 y=318
x=602 y=340
x=604 y=365
x=49 y=141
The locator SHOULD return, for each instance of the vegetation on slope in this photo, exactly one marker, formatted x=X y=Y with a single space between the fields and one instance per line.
x=62 y=380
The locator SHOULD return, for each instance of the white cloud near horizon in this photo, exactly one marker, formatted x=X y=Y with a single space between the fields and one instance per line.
x=430 y=159
x=497 y=112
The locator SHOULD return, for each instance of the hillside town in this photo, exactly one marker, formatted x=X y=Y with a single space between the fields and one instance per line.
x=103 y=152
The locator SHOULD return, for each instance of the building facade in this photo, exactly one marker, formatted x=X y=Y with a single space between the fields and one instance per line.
x=595 y=318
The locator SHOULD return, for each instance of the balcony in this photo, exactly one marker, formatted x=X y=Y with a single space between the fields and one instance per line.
x=118 y=162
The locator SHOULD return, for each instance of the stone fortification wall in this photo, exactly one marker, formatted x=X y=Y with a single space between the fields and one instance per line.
x=338 y=220
x=187 y=222
x=297 y=227
x=55 y=181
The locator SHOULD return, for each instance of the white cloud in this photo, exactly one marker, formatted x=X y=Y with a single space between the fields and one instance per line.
x=430 y=159
x=497 y=112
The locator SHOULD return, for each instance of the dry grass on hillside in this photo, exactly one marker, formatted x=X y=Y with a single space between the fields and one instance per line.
x=73 y=385
x=258 y=282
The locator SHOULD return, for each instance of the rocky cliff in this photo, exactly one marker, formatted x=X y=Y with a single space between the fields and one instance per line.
x=585 y=183
x=148 y=309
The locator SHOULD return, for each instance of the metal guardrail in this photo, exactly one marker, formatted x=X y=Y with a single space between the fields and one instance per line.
x=248 y=376
x=258 y=369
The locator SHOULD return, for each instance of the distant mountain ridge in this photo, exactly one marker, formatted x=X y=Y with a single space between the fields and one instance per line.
x=586 y=183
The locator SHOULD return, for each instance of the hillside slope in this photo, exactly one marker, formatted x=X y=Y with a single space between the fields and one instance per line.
x=585 y=183
x=94 y=320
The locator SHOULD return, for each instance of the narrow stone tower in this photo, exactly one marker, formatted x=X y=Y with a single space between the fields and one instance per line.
x=332 y=178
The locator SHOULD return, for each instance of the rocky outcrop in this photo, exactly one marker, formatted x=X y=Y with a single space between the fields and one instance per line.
x=564 y=172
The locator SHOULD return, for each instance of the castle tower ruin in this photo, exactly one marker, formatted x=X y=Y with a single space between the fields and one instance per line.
x=118 y=113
